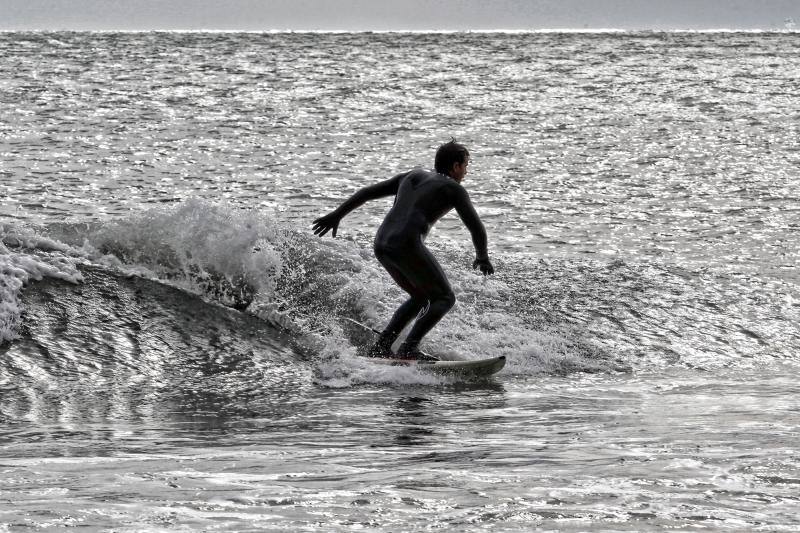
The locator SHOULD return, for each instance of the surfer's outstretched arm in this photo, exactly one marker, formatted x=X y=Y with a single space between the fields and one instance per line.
x=470 y=218
x=329 y=222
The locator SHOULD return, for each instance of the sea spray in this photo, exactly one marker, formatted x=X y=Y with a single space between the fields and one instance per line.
x=17 y=270
x=306 y=285
x=209 y=248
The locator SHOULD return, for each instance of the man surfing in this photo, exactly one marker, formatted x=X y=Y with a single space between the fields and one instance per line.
x=421 y=198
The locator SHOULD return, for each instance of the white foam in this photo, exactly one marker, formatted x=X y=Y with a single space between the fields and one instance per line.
x=344 y=369
x=17 y=269
x=484 y=323
x=197 y=245
x=300 y=283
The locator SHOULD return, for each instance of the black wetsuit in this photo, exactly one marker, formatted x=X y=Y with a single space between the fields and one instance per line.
x=421 y=198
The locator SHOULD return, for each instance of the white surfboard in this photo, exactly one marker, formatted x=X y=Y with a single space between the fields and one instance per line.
x=450 y=366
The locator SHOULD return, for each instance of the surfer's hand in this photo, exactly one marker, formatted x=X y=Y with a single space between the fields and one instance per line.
x=485 y=266
x=329 y=222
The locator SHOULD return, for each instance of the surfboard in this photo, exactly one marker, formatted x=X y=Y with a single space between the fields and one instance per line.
x=363 y=336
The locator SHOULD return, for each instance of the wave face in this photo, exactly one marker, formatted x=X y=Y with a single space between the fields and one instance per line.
x=549 y=316
x=289 y=280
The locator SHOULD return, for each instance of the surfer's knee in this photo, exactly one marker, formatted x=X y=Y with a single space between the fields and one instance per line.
x=447 y=300
x=380 y=251
x=419 y=304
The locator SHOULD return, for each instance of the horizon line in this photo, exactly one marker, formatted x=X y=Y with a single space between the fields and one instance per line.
x=419 y=31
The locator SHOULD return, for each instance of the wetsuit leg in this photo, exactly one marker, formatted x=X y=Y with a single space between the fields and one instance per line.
x=404 y=314
x=418 y=273
x=430 y=280
x=410 y=308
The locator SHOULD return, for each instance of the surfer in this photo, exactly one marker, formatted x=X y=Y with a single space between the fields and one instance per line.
x=421 y=198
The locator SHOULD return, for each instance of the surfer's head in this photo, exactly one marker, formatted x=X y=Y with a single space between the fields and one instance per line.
x=452 y=159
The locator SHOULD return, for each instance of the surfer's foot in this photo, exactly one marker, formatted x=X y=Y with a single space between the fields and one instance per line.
x=412 y=351
x=382 y=348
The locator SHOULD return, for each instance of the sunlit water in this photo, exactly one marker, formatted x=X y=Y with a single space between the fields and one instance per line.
x=173 y=355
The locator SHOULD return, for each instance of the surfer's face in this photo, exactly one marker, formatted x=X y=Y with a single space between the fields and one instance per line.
x=459 y=170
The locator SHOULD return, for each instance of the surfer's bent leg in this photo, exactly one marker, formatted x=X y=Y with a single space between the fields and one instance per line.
x=429 y=278
x=407 y=311
x=404 y=314
x=418 y=273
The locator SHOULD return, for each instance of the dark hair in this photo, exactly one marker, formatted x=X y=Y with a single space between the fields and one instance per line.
x=449 y=153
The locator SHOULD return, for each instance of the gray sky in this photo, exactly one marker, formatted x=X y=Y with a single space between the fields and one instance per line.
x=395 y=15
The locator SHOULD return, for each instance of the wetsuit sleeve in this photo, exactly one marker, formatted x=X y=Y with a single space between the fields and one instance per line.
x=379 y=190
x=470 y=218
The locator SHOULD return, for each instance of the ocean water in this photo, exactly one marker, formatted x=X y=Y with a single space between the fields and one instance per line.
x=172 y=354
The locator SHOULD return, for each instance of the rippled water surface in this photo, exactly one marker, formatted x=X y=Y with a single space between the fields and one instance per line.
x=172 y=355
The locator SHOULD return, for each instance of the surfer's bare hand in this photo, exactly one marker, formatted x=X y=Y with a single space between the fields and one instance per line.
x=329 y=222
x=485 y=265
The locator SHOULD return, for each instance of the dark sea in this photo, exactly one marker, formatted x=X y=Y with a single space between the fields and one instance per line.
x=172 y=349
